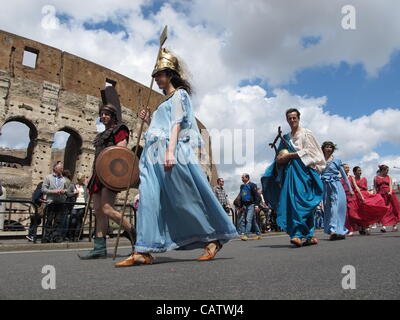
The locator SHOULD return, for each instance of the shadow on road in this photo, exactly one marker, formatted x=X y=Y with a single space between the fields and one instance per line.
x=277 y=246
x=160 y=260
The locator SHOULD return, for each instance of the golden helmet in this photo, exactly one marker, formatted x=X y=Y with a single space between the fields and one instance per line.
x=283 y=151
x=167 y=61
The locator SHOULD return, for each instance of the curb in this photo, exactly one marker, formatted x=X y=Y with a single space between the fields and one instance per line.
x=56 y=246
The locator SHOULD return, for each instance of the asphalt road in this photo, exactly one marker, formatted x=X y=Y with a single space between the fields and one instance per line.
x=256 y=270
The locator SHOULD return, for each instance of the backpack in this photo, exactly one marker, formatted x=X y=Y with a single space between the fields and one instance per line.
x=246 y=193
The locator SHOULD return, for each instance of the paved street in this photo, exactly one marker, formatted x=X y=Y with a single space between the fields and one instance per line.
x=257 y=269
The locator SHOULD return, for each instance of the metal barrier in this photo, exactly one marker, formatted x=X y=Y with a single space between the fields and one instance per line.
x=32 y=213
x=269 y=223
x=235 y=216
x=14 y=225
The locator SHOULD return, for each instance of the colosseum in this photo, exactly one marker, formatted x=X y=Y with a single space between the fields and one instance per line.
x=59 y=92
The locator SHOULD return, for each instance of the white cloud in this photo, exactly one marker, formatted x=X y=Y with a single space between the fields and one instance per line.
x=14 y=135
x=222 y=41
x=263 y=38
x=49 y=20
x=370 y=162
x=60 y=140
x=249 y=107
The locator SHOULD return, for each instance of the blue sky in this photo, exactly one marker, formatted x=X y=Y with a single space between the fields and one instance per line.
x=350 y=91
x=152 y=8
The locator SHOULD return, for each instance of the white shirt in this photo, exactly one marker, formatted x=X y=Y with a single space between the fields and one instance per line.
x=80 y=198
x=309 y=150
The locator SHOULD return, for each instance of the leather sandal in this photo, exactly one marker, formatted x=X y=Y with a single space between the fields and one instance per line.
x=209 y=255
x=310 y=242
x=333 y=237
x=297 y=242
x=133 y=260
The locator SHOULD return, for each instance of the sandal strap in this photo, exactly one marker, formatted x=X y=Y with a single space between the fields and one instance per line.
x=218 y=247
x=148 y=258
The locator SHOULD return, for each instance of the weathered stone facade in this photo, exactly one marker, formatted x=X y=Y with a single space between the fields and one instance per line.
x=60 y=93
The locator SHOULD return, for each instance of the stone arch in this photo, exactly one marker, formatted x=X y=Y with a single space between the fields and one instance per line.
x=33 y=135
x=73 y=149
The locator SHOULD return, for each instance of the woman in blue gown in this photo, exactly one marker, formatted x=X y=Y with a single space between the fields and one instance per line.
x=178 y=208
x=335 y=202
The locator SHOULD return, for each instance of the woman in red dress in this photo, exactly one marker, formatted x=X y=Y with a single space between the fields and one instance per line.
x=371 y=207
x=353 y=221
x=383 y=186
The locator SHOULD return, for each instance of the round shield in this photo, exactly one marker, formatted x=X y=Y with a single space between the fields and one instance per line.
x=114 y=166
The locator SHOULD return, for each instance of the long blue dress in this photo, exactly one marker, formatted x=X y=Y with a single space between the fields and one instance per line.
x=177 y=209
x=294 y=191
x=335 y=202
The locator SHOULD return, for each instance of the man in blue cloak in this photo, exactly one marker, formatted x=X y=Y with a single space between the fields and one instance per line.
x=292 y=184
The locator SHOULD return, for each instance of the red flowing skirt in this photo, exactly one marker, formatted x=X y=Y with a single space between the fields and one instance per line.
x=392 y=217
x=373 y=209
x=353 y=220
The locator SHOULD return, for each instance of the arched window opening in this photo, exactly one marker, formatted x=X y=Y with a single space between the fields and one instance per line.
x=17 y=141
x=66 y=148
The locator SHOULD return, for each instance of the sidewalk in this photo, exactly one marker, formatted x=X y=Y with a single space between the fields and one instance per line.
x=24 y=245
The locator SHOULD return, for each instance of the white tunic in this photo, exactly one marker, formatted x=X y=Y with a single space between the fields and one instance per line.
x=80 y=198
x=308 y=149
